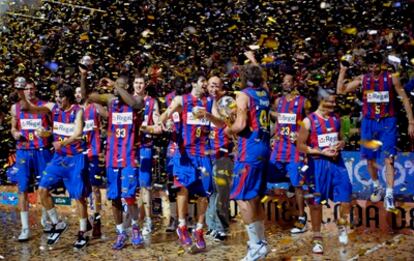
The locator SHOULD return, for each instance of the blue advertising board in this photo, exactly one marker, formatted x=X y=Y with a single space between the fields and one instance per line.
x=361 y=181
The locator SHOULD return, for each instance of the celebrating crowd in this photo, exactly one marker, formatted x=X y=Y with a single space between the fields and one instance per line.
x=249 y=96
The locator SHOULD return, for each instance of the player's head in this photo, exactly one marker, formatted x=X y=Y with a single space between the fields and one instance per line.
x=215 y=87
x=65 y=96
x=251 y=76
x=30 y=90
x=78 y=95
x=139 y=84
x=121 y=82
x=198 y=82
x=178 y=85
x=288 y=83
x=374 y=61
x=327 y=99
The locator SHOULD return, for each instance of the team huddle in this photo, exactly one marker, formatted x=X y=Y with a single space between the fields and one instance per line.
x=221 y=148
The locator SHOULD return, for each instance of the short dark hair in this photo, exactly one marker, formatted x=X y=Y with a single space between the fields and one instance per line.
x=251 y=75
x=179 y=85
x=65 y=90
x=195 y=76
x=374 y=58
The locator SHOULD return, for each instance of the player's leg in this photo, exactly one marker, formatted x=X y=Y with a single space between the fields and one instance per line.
x=129 y=188
x=368 y=129
x=95 y=178
x=53 y=174
x=22 y=173
x=388 y=137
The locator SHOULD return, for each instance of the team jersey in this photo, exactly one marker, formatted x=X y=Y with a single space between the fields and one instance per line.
x=195 y=132
x=221 y=144
x=175 y=117
x=121 y=147
x=145 y=139
x=64 y=127
x=378 y=96
x=253 y=141
x=91 y=130
x=290 y=115
x=324 y=133
x=27 y=123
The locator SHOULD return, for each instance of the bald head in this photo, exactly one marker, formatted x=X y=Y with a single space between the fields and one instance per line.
x=215 y=87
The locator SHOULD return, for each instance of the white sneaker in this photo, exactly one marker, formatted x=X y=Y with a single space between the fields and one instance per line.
x=317 y=247
x=257 y=251
x=24 y=235
x=389 y=203
x=342 y=235
x=147 y=227
x=376 y=195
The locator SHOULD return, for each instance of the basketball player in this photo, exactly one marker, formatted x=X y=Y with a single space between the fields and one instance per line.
x=327 y=177
x=32 y=152
x=249 y=182
x=290 y=110
x=379 y=91
x=121 y=156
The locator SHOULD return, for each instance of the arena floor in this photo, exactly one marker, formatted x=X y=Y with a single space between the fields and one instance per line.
x=364 y=244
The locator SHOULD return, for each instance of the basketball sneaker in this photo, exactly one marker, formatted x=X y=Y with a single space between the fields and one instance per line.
x=184 y=236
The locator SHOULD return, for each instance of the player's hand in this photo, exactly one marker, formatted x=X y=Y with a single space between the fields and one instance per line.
x=340 y=145
x=411 y=130
x=17 y=135
x=106 y=82
x=57 y=145
x=329 y=152
x=342 y=68
x=82 y=71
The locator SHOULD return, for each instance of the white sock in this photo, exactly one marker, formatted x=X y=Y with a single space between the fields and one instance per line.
x=83 y=224
x=199 y=226
x=253 y=233
x=120 y=228
x=181 y=222
x=53 y=216
x=260 y=228
x=44 y=215
x=24 y=216
x=148 y=220
x=134 y=222
x=389 y=192
x=375 y=183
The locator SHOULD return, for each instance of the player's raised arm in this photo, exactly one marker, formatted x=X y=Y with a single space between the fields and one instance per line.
x=342 y=87
x=30 y=107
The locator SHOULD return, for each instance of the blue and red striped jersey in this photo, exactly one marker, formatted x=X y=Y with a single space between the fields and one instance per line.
x=324 y=132
x=175 y=117
x=27 y=123
x=64 y=127
x=221 y=145
x=253 y=143
x=146 y=118
x=290 y=115
x=378 y=96
x=121 y=145
x=195 y=132
x=92 y=129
